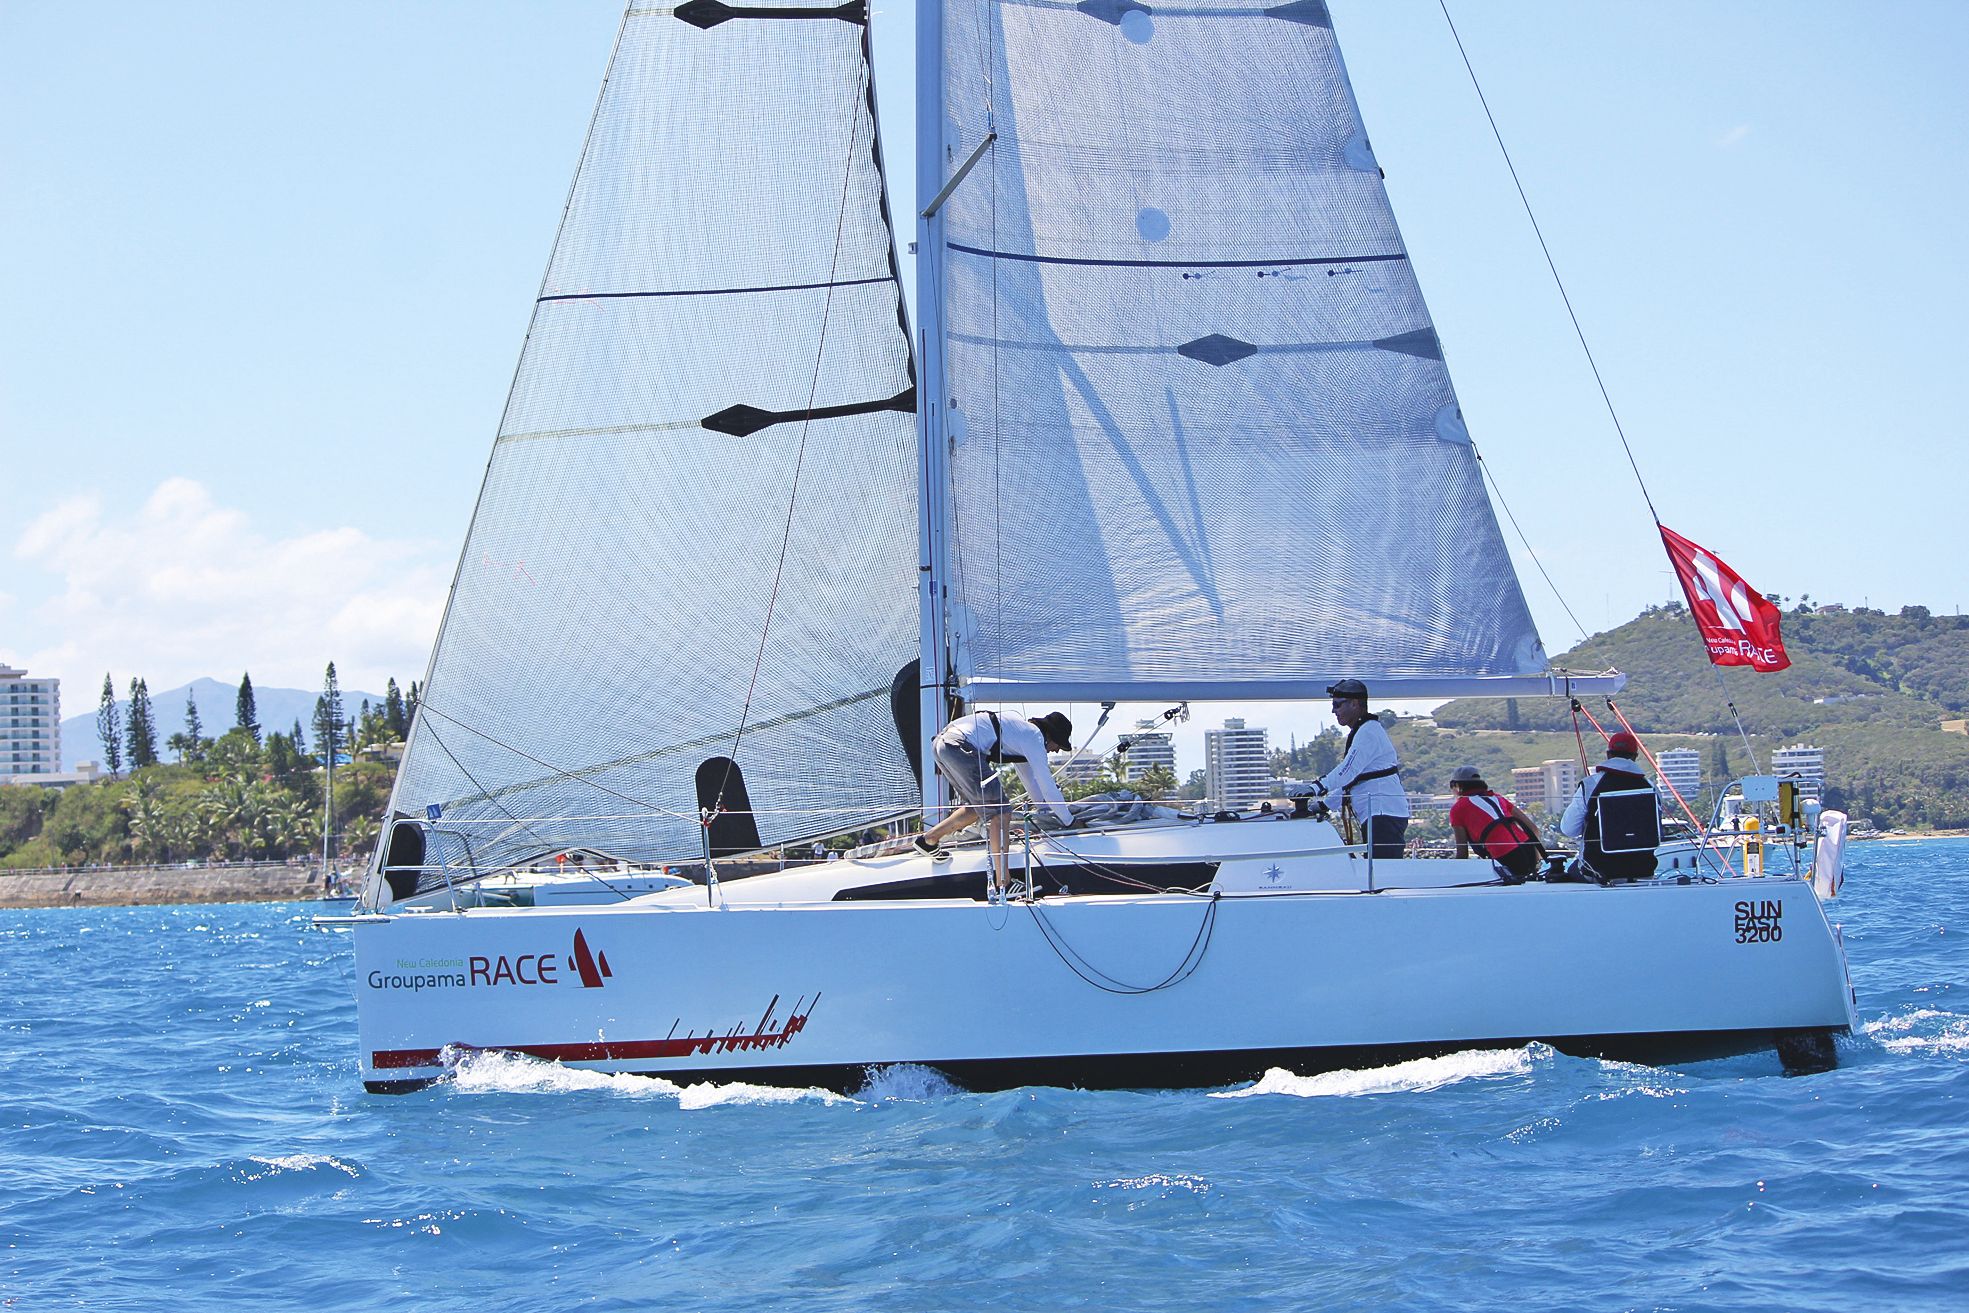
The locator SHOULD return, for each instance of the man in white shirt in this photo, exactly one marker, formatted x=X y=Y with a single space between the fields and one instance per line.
x=968 y=752
x=1368 y=777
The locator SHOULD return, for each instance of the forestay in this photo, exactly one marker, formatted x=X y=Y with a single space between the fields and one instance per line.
x=703 y=490
x=1201 y=434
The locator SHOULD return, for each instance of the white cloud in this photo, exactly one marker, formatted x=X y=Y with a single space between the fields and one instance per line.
x=1734 y=136
x=185 y=587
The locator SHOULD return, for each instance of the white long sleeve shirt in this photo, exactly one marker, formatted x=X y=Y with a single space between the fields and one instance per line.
x=1022 y=739
x=1370 y=750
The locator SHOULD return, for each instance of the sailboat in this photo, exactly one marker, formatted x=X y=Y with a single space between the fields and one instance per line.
x=1171 y=422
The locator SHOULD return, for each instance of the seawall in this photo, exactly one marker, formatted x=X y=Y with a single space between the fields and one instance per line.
x=132 y=885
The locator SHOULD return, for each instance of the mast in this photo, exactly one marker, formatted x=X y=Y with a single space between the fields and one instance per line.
x=930 y=406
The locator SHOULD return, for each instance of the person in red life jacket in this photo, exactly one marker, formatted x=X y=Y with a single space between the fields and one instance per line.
x=1492 y=825
x=1617 y=828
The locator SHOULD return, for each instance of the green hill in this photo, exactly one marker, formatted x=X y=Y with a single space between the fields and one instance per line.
x=1871 y=689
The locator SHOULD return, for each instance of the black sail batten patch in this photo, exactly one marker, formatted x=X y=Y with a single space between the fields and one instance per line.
x=743 y=421
x=1217 y=349
x=1310 y=12
x=721 y=793
x=708 y=14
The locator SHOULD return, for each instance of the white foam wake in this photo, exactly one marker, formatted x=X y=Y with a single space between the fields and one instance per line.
x=1415 y=1076
x=907 y=1083
x=1925 y=1030
x=493 y=1072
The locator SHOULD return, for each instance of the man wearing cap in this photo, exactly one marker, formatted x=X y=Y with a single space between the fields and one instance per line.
x=1368 y=777
x=969 y=750
x=1581 y=823
x=1492 y=825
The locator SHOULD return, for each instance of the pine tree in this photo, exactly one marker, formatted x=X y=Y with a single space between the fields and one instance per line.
x=410 y=705
x=393 y=712
x=141 y=732
x=246 y=713
x=328 y=730
x=194 y=727
x=296 y=737
x=109 y=728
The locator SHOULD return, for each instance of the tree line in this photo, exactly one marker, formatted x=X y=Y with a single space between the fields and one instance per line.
x=245 y=793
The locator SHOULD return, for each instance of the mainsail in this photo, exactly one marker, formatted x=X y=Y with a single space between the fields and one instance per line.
x=1200 y=432
x=697 y=534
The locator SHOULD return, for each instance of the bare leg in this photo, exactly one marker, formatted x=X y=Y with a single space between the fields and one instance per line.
x=950 y=824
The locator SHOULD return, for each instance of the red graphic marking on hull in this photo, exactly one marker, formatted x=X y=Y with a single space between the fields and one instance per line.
x=761 y=1037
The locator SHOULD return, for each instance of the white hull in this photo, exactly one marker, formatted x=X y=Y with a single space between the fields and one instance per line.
x=780 y=983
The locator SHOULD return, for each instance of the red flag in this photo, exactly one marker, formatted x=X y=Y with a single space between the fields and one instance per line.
x=1739 y=624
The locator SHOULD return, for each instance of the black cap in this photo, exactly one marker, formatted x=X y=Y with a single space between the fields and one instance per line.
x=1057 y=729
x=1466 y=775
x=1347 y=688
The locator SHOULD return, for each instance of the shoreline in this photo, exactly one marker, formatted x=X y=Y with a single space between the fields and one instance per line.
x=148 y=886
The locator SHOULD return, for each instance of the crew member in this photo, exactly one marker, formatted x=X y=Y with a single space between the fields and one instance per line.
x=1368 y=777
x=1633 y=831
x=1482 y=820
x=968 y=752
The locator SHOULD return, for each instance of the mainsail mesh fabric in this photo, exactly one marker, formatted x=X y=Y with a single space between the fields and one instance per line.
x=1200 y=425
x=726 y=245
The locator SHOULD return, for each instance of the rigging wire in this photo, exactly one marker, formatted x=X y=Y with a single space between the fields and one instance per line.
x=800 y=455
x=1584 y=347
x=1498 y=492
x=1550 y=264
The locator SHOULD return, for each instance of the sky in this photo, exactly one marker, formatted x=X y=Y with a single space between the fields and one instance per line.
x=267 y=269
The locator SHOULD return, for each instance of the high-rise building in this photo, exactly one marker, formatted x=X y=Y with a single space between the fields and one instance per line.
x=1149 y=748
x=1805 y=762
x=1237 y=767
x=30 y=724
x=1528 y=786
x=1561 y=775
x=1681 y=767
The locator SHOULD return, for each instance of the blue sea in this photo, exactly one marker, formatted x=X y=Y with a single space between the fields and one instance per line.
x=181 y=1127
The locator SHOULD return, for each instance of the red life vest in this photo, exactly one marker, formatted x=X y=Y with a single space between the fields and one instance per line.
x=1503 y=830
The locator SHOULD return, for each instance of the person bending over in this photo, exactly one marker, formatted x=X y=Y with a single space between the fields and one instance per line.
x=968 y=753
x=1482 y=820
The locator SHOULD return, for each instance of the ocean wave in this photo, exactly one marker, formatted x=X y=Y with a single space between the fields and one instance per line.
x=1417 y=1075
x=1924 y=1030
x=295 y=1162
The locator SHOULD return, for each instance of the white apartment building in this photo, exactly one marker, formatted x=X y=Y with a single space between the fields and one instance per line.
x=1149 y=748
x=1681 y=767
x=30 y=724
x=1805 y=762
x=1067 y=771
x=1237 y=766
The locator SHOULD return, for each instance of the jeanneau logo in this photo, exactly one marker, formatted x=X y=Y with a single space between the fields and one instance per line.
x=1274 y=873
